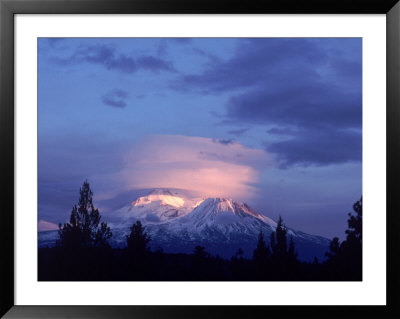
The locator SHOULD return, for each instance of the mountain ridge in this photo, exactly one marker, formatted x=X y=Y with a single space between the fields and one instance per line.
x=177 y=223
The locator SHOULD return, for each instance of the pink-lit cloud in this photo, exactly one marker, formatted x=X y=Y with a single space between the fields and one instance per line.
x=205 y=165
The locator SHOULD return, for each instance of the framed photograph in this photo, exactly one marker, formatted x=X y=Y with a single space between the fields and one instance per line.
x=168 y=159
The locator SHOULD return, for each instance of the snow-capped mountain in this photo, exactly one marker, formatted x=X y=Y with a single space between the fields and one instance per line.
x=158 y=206
x=226 y=215
x=178 y=222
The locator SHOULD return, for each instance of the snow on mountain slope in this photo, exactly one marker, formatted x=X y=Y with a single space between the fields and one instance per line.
x=177 y=222
x=222 y=211
x=222 y=217
x=158 y=206
x=221 y=225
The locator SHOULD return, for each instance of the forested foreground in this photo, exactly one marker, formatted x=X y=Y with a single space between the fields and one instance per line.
x=82 y=253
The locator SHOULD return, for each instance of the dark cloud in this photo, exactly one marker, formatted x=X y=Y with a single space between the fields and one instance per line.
x=112 y=60
x=309 y=89
x=316 y=147
x=116 y=98
x=298 y=105
x=254 y=61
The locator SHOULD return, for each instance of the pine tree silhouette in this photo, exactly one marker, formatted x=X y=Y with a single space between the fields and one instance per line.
x=334 y=248
x=138 y=240
x=345 y=259
x=138 y=252
x=281 y=241
x=284 y=260
x=84 y=228
x=262 y=251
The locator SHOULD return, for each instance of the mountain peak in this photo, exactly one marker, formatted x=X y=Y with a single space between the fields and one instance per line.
x=223 y=199
x=162 y=196
x=213 y=206
x=177 y=222
x=220 y=203
x=164 y=206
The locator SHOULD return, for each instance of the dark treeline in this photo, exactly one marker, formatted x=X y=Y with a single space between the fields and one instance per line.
x=82 y=253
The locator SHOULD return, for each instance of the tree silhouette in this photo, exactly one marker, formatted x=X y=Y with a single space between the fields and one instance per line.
x=138 y=252
x=352 y=246
x=279 y=241
x=201 y=260
x=138 y=240
x=261 y=257
x=334 y=248
x=262 y=251
x=345 y=259
x=84 y=228
x=354 y=231
x=284 y=260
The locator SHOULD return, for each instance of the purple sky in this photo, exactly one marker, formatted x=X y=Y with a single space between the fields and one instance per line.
x=273 y=122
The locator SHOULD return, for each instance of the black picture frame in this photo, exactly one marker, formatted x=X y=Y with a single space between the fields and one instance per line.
x=8 y=9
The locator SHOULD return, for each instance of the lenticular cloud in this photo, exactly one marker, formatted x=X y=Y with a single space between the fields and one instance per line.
x=196 y=163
